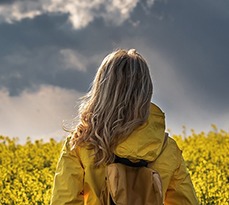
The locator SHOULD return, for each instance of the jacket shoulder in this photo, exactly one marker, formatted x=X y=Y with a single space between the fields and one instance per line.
x=170 y=158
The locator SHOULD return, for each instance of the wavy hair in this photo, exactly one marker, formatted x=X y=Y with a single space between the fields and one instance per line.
x=117 y=103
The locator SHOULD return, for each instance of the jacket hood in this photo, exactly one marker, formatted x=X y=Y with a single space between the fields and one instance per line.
x=146 y=141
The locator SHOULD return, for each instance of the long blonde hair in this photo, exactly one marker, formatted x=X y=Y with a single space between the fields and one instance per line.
x=117 y=103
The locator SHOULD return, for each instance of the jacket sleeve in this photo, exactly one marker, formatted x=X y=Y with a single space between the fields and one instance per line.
x=68 y=180
x=181 y=190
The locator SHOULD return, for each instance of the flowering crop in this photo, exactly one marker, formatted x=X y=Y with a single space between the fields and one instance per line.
x=27 y=170
x=207 y=158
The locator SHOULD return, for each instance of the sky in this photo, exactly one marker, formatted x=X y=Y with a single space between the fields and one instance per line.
x=50 y=51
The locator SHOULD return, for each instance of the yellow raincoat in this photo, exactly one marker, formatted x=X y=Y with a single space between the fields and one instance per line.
x=78 y=182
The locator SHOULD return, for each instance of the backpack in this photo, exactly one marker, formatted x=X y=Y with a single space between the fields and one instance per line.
x=128 y=183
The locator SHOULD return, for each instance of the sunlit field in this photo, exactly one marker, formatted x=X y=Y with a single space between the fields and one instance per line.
x=27 y=170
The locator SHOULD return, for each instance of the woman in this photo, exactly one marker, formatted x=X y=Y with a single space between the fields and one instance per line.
x=117 y=118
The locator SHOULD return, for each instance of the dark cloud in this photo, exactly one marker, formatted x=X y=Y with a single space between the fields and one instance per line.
x=191 y=35
x=44 y=61
x=35 y=45
x=34 y=33
x=2 y=2
x=31 y=55
x=28 y=69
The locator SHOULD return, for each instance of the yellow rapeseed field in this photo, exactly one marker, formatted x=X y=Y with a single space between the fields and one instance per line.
x=27 y=170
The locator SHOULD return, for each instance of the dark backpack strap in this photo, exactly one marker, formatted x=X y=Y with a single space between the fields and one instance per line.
x=141 y=163
x=127 y=162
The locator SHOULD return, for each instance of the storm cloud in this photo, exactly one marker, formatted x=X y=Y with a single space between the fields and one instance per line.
x=50 y=44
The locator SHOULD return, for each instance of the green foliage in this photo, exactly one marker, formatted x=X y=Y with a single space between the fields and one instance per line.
x=27 y=170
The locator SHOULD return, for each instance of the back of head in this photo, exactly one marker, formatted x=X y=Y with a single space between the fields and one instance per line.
x=117 y=103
